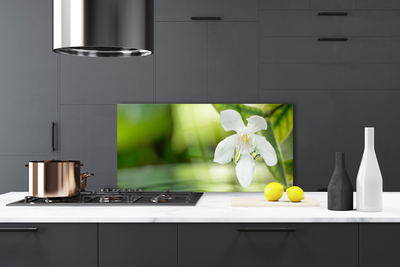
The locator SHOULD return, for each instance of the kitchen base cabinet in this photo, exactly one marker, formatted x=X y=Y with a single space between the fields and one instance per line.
x=48 y=245
x=268 y=245
x=379 y=244
x=138 y=245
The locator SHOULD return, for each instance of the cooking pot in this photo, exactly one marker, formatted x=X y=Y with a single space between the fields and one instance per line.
x=55 y=178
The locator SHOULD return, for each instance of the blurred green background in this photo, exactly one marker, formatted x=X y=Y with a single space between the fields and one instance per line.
x=171 y=146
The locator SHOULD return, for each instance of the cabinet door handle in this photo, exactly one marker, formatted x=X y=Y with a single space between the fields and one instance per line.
x=206 y=18
x=333 y=13
x=266 y=229
x=52 y=136
x=332 y=39
x=18 y=229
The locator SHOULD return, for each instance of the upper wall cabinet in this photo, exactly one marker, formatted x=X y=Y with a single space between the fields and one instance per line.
x=28 y=75
x=307 y=4
x=329 y=24
x=227 y=10
x=378 y=4
x=207 y=52
x=333 y=4
x=284 y=4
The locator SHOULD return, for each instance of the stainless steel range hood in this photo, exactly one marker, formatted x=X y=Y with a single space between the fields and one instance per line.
x=103 y=28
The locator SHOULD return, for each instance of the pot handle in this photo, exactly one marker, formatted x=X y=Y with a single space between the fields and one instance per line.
x=26 y=165
x=86 y=175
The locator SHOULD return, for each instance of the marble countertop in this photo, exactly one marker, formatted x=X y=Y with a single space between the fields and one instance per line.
x=211 y=208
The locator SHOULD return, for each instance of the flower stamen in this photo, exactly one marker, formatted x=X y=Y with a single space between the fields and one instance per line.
x=245 y=139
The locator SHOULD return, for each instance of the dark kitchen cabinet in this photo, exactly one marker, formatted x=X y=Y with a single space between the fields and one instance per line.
x=89 y=134
x=267 y=244
x=48 y=245
x=138 y=244
x=284 y=4
x=28 y=88
x=333 y=4
x=181 y=62
x=207 y=60
x=309 y=23
x=378 y=4
x=379 y=244
x=228 y=10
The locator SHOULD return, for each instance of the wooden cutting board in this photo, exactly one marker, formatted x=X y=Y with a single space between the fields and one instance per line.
x=263 y=202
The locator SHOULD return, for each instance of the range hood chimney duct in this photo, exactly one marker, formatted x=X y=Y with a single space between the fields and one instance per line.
x=103 y=28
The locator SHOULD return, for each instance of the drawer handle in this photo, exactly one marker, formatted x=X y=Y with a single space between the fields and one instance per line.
x=333 y=13
x=206 y=18
x=266 y=229
x=18 y=229
x=332 y=39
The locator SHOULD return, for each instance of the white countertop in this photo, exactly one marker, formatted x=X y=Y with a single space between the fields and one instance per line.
x=211 y=208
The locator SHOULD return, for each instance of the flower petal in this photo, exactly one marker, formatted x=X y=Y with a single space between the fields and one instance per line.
x=231 y=120
x=256 y=123
x=225 y=150
x=245 y=170
x=266 y=150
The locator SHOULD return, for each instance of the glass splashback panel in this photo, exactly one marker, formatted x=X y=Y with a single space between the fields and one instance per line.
x=173 y=146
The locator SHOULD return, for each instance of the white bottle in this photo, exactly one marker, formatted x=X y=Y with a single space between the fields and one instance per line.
x=369 y=177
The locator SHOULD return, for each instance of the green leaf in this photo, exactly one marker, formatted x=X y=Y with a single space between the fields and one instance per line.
x=287 y=147
x=269 y=108
x=278 y=171
x=244 y=111
x=288 y=166
x=289 y=171
x=282 y=121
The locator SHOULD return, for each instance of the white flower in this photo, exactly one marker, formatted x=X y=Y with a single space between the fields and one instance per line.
x=245 y=147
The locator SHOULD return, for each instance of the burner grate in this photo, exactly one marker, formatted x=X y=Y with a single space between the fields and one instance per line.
x=108 y=196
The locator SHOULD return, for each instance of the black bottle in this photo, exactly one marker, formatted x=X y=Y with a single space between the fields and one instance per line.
x=340 y=190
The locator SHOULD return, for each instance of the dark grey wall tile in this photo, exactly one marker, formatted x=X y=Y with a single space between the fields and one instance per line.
x=308 y=49
x=284 y=4
x=333 y=4
x=232 y=74
x=228 y=10
x=329 y=76
x=313 y=116
x=89 y=134
x=107 y=80
x=356 y=109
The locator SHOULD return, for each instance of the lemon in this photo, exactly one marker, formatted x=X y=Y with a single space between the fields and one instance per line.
x=295 y=194
x=273 y=191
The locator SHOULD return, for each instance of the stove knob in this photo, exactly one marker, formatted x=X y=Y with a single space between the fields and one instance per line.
x=116 y=190
x=127 y=190
x=105 y=189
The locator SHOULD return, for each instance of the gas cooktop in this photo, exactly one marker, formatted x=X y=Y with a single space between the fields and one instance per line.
x=108 y=196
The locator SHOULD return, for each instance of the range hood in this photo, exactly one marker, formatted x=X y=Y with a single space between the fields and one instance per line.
x=103 y=28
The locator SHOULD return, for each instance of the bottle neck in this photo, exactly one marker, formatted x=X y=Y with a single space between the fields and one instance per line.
x=369 y=138
x=340 y=160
